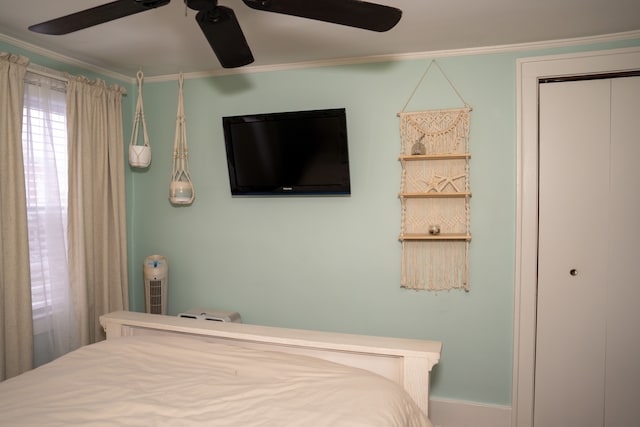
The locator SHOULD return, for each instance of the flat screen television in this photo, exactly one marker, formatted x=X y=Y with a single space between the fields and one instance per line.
x=290 y=153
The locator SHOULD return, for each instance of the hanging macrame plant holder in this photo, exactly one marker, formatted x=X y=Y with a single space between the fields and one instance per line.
x=435 y=195
x=139 y=155
x=181 y=191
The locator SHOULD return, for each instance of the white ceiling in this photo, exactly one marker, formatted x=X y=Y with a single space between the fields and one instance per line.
x=164 y=41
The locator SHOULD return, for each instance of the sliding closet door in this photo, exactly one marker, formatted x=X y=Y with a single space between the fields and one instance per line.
x=622 y=375
x=573 y=217
x=588 y=326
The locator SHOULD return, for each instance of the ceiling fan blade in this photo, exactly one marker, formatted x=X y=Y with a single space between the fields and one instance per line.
x=353 y=13
x=222 y=30
x=96 y=15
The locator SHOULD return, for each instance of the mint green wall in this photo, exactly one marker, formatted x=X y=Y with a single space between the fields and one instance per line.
x=333 y=263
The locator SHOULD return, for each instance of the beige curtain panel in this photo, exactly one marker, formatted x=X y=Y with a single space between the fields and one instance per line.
x=16 y=326
x=97 y=222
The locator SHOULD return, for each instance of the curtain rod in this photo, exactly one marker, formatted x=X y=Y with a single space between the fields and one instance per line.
x=62 y=77
x=45 y=72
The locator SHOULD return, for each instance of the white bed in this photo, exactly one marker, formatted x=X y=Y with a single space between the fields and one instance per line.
x=163 y=370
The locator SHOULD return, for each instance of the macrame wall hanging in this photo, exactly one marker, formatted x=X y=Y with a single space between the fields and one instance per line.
x=181 y=190
x=434 y=195
x=139 y=155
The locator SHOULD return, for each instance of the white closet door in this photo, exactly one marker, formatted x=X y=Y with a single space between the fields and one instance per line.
x=622 y=376
x=588 y=329
x=572 y=269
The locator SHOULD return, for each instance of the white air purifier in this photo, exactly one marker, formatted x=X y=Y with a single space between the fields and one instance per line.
x=156 y=283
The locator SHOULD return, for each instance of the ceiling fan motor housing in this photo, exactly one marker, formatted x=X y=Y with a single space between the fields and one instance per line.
x=201 y=4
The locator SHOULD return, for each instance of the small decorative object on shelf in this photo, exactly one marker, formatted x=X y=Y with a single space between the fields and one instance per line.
x=418 y=148
x=181 y=191
x=434 y=196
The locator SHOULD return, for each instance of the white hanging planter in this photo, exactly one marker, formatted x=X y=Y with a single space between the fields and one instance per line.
x=181 y=191
x=139 y=155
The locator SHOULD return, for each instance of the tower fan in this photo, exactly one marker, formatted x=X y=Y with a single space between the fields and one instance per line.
x=156 y=282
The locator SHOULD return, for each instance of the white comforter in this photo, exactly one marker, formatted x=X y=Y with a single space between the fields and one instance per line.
x=175 y=381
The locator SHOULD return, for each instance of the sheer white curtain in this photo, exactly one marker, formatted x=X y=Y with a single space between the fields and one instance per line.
x=44 y=142
x=16 y=338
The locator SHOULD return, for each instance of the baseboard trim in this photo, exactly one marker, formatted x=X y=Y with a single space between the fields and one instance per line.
x=458 y=413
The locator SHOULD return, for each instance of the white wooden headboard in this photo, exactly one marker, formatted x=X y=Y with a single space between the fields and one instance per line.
x=405 y=361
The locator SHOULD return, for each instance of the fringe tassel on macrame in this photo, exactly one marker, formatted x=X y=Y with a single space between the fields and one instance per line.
x=443 y=266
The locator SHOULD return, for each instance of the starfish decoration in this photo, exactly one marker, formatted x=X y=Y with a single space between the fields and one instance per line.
x=433 y=183
x=449 y=180
x=438 y=183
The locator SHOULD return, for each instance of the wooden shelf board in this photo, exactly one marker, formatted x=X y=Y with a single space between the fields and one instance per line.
x=434 y=156
x=435 y=195
x=435 y=237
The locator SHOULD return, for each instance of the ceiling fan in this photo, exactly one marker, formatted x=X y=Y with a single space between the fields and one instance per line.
x=220 y=25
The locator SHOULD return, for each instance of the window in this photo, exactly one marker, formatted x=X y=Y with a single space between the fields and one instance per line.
x=44 y=142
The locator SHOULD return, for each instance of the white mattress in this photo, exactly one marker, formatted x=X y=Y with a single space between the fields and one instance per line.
x=176 y=381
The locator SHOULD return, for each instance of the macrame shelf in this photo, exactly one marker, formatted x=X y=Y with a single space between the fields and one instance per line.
x=435 y=196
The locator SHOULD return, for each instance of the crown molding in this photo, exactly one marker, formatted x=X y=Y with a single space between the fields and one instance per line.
x=66 y=59
x=548 y=44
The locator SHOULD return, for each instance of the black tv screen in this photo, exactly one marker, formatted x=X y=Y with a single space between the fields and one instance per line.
x=300 y=152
